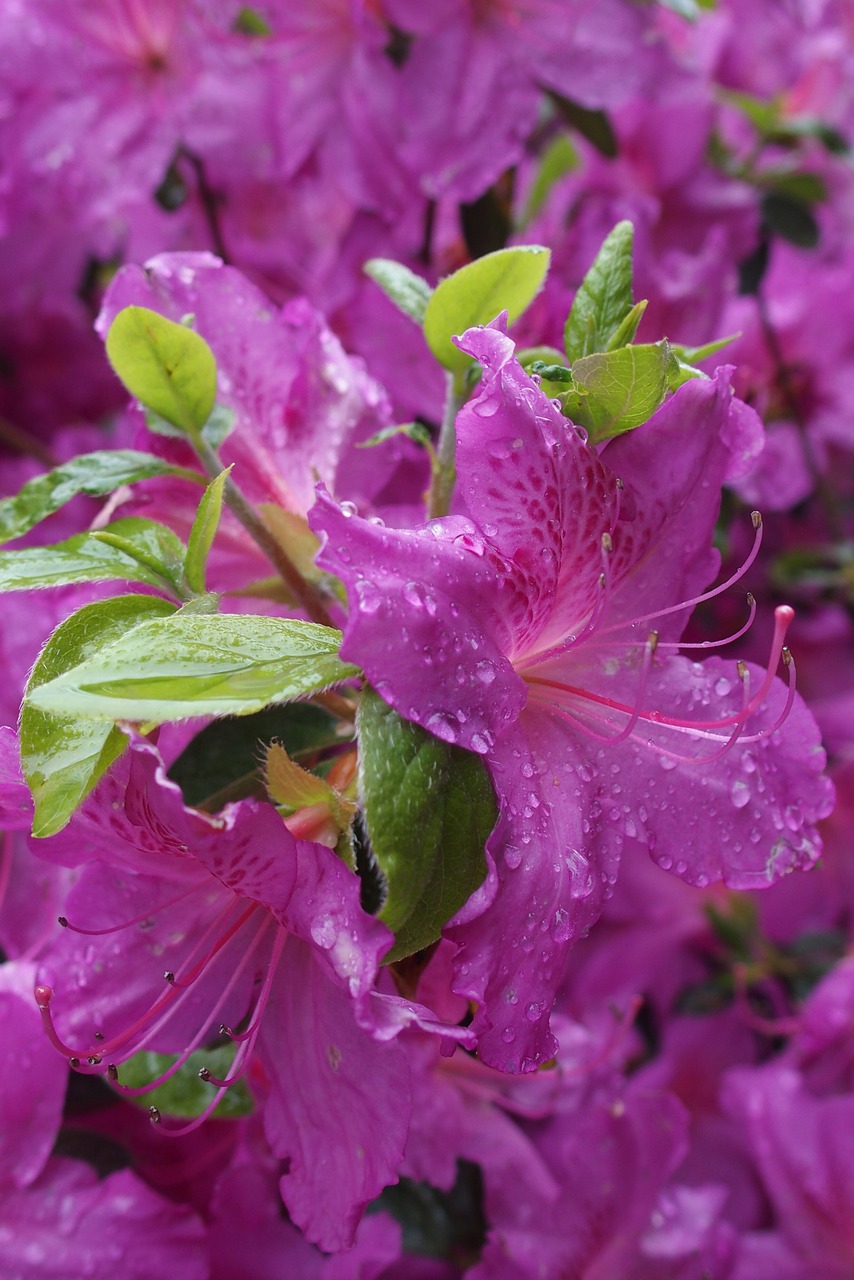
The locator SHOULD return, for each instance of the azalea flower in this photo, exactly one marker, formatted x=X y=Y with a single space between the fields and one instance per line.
x=540 y=626
x=183 y=926
x=57 y=1219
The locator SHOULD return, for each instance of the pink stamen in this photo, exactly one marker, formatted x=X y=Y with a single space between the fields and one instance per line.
x=201 y=1035
x=126 y=924
x=579 y=711
x=756 y=518
x=154 y=1019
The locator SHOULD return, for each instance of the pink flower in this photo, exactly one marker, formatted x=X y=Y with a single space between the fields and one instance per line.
x=541 y=630
x=181 y=924
x=57 y=1220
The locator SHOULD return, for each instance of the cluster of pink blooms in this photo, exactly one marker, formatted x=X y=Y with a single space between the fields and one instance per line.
x=629 y=1053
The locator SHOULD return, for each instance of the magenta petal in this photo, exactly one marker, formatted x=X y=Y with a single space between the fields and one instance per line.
x=511 y=956
x=32 y=1088
x=68 y=1225
x=16 y=805
x=338 y=1105
x=426 y=622
x=674 y=466
x=746 y=816
x=299 y=399
x=611 y=1160
x=108 y=982
x=537 y=492
x=802 y=1147
x=324 y=910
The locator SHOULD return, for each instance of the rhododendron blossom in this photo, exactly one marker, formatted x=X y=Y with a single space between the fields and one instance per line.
x=538 y=627
x=426 y=539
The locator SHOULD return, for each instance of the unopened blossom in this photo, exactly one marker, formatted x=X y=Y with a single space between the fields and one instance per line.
x=539 y=627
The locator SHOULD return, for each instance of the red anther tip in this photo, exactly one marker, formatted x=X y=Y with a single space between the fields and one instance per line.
x=44 y=995
x=204 y=1073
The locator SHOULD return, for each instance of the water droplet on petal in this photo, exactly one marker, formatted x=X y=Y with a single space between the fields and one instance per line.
x=740 y=793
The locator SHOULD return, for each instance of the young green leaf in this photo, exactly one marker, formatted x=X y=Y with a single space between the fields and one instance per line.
x=198 y=665
x=592 y=124
x=219 y=425
x=628 y=326
x=62 y=756
x=429 y=808
x=203 y=532
x=507 y=280
x=791 y=218
x=604 y=298
x=416 y=431
x=693 y=355
x=559 y=158
x=165 y=365
x=186 y=1094
x=128 y=550
x=226 y=755
x=409 y=292
x=618 y=390
x=92 y=474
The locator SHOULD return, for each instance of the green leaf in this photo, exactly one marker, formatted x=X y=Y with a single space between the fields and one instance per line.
x=604 y=298
x=198 y=665
x=593 y=125
x=130 y=550
x=790 y=218
x=690 y=9
x=166 y=366
x=185 y=1094
x=416 y=431
x=507 y=280
x=63 y=757
x=219 y=425
x=530 y=356
x=409 y=292
x=250 y=23
x=92 y=474
x=203 y=532
x=429 y=808
x=228 y=751
x=559 y=158
x=628 y=326
x=693 y=355
x=618 y=390
x=800 y=185
x=152 y=545
x=687 y=358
